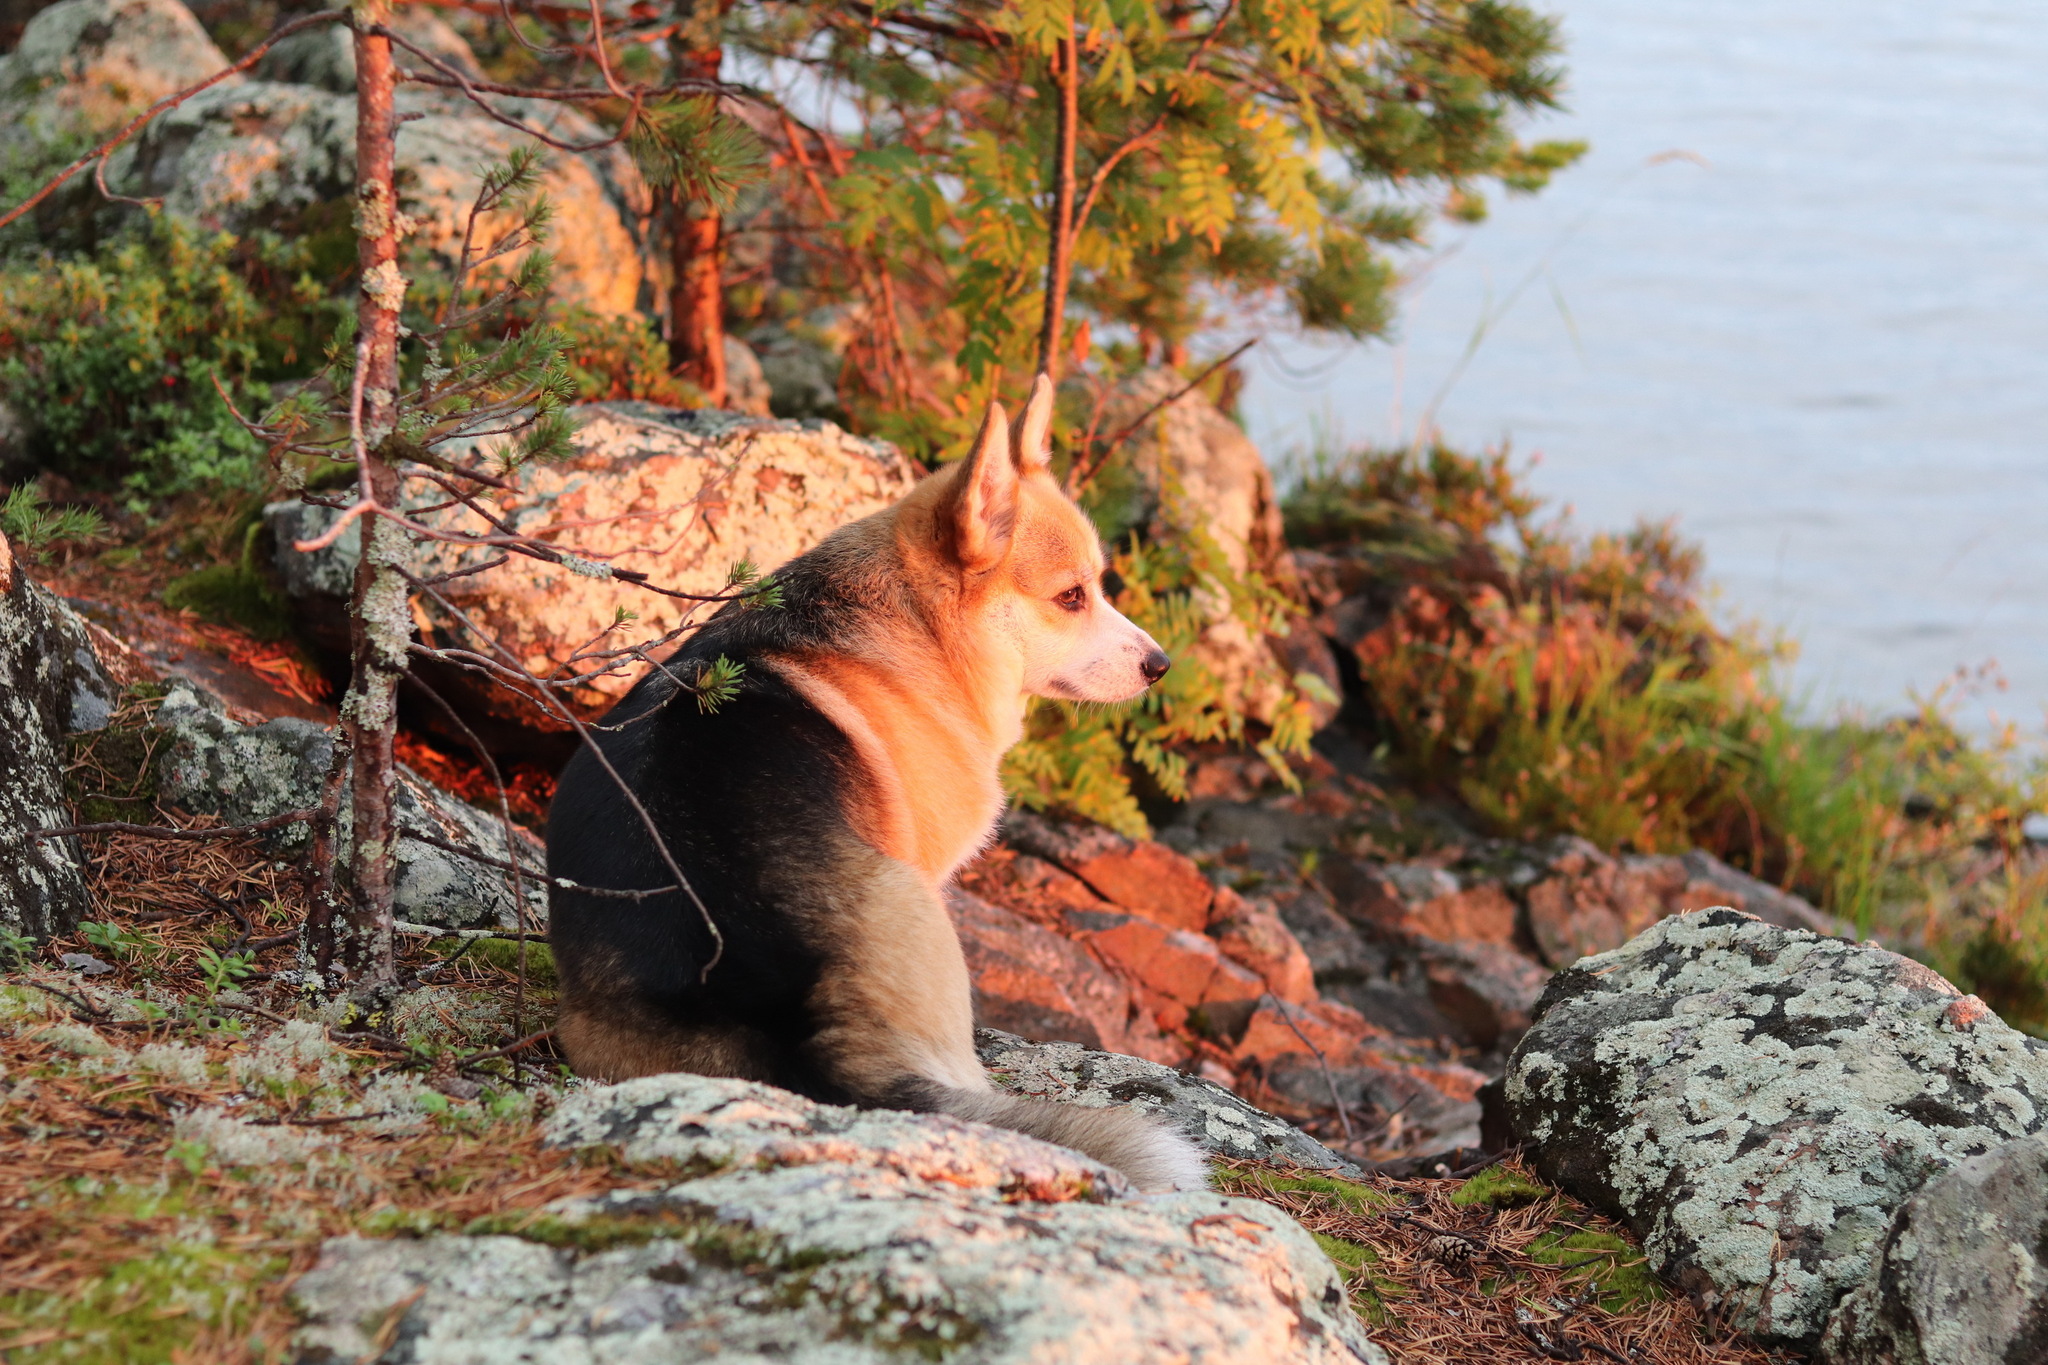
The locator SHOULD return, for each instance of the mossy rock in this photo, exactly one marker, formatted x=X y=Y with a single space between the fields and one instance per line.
x=242 y=594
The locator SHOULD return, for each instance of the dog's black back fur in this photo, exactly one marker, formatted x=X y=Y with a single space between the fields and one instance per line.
x=748 y=798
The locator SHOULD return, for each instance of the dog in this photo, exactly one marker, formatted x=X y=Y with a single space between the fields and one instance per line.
x=816 y=816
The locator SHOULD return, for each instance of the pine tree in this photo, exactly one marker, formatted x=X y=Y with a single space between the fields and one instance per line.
x=1027 y=169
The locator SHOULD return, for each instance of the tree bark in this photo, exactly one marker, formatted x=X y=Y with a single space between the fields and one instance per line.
x=380 y=608
x=1059 y=256
x=696 y=299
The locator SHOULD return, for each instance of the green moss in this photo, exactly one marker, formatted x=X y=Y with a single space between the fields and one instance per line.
x=1623 y=1277
x=1371 y=1295
x=1501 y=1188
x=1350 y=1255
x=1358 y=1198
x=231 y=595
x=239 y=594
x=598 y=1233
x=504 y=955
x=146 y=1309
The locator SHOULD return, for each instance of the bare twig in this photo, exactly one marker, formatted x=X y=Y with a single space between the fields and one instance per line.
x=1329 y=1078
x=506 y=1051
x=290 y=817
x=563 y=711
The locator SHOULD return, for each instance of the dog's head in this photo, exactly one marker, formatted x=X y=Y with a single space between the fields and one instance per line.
x=1029 y=566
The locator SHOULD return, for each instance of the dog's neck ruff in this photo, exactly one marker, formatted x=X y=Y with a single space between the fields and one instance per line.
x=932 y=794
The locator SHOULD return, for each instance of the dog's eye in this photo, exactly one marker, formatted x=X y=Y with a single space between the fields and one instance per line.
x=1074 y=598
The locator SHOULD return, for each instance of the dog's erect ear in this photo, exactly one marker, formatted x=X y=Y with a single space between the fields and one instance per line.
x=1032 y=435
x=984 y=503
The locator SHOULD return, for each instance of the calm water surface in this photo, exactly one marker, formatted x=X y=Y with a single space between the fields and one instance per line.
x=1822 y=344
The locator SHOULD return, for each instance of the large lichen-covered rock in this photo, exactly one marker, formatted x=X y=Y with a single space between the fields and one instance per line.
x=1963 y=1275
x=84 y=65
x=1756 y=1102
x=1206 y=1114
x=249 y=153
x=211 y=765
x=51 y=685
x=259 y=152
x=680 y=496
x=821 y=1234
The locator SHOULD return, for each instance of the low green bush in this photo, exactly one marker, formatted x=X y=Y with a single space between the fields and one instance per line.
x=117 y=362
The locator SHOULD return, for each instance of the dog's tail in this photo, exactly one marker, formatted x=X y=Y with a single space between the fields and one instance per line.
x=1156 y=1158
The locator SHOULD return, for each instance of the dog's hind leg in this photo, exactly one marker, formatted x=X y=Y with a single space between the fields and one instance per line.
x=897 y=1029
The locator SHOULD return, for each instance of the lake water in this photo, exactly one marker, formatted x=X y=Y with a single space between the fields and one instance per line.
x=1819 y=339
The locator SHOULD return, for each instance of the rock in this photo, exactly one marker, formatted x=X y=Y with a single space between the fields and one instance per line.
x=51 y=685
x=1756 y=1102
x=1419 y=900
x=82 y=66
x=1962 y=1278
x=211 y=765
x=681 y=496
x=326 y=57
x=1591 y=903
x=1422 y=1109
x=1337 y=952
x=1191 y=469
x=1137 y=875
x=1270 y=827
x=1759 y=898
x=832 y=1235
x=801 y=371
x=260 y=154
x=1487 y=991
x=1335 y=1031
x=1206 y=1114
x=1195 y=469
x=280 y=153
x=1031 y=981
x=140 y=643
x=1179 y=973
x=1256 y=938
x=746 y=384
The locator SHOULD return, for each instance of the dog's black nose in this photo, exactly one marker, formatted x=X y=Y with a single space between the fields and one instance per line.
x=1154 y=665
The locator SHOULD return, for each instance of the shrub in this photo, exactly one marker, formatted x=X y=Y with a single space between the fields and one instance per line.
x=1557 y=685
x=112 y=359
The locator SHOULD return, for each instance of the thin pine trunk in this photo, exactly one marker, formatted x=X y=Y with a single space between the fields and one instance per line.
x=696 y=300
x=380 y=612
x=1059 y=256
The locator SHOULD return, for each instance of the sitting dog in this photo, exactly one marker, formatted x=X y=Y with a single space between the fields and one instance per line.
x=816 y=816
